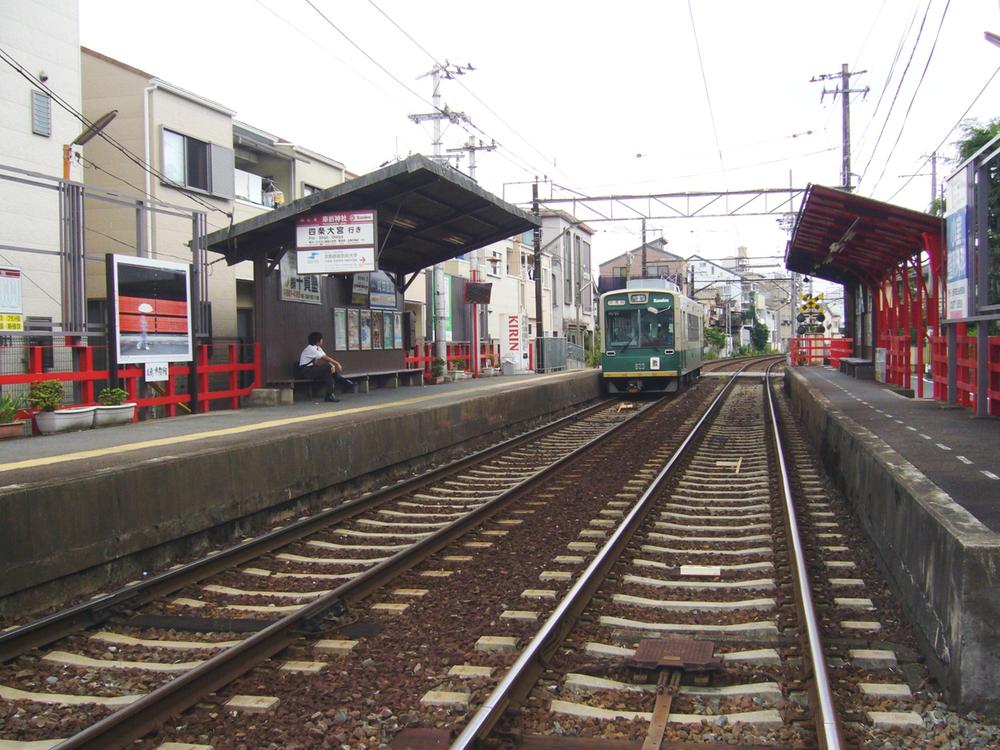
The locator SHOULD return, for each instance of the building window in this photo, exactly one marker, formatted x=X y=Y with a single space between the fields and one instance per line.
x=195 y=164
x=185 y=160
x=308 y=189
x=41 y=113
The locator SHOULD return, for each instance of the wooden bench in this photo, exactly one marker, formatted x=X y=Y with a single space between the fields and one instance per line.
x=363 y=381
x=862 y=369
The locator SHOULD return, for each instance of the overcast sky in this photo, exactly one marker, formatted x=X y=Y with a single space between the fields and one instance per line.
x=576 y=91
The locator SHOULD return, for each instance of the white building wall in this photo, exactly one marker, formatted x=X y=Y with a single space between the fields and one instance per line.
x=44 y=37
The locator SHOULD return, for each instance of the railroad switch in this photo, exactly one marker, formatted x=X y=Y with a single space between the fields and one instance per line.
x=670 y=658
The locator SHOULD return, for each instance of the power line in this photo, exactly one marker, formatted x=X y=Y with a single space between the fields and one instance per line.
x=529 y=169
x=916 y=90
x=138 y=161
x=888 y=78
x=895 y=96
x=950 y=131
x=708 y=97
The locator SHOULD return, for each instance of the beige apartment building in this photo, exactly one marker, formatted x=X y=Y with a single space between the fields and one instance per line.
x=44 y=39
x=203 y=160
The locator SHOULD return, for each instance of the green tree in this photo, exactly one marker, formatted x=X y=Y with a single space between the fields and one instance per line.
x=714 y=340
x=759 y=336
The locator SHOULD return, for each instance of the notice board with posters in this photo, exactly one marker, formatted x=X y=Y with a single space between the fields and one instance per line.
x=150 y=309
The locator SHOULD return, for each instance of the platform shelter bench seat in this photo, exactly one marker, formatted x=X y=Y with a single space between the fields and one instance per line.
x=363 y=381
x=862 y=369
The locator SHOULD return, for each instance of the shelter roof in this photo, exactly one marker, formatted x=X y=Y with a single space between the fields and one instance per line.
x=427 y=213
x=845 y=238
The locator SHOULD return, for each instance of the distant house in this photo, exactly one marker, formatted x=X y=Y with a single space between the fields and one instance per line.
x=660 y=264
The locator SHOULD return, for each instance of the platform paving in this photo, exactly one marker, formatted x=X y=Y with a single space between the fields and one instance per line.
x=56 y=457
x=949 y=445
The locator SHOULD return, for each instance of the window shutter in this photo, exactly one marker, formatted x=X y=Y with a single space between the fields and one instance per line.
x=223 y=172
x=41 y=113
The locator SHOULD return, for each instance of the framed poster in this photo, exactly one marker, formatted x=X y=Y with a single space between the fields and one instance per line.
x=377 y=338
x=151 y=309
x=359 y=289
x=397 y=331
x=382 y=290
x=353 y=330
x=296 y=288
x=365 y=330
x=339 y=329
x=387 y=330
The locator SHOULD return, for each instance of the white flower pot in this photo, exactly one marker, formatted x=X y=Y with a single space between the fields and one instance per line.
x=65 y=420
x=115 y=414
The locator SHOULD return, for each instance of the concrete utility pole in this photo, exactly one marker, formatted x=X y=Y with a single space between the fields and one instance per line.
x=472 y=147
x=845 y=91
x=643 y=248
x=448 y=71
x=537 y=236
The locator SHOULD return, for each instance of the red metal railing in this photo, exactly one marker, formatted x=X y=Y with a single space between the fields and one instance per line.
x=129 y=377
x=422 y=356
x=814 y=350
x=966 y=371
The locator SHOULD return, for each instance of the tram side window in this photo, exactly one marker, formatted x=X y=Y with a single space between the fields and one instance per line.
x=694 y=327
x=622 y=328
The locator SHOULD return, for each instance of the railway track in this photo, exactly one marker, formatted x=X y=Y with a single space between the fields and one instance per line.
x=744 y=365
x=185 y=633
x=478 y=613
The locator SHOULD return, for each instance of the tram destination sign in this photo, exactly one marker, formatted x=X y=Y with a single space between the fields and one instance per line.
x=336 y=242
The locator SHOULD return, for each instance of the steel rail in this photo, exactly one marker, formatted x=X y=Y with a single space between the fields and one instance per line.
x=93 y=612
x=827 y=726
x=136 y=719
x=517 y=683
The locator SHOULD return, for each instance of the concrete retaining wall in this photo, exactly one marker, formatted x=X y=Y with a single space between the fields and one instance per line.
x=122 y=520
x=943 y=562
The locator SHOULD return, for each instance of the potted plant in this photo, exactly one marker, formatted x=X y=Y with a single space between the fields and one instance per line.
x=46 y=397
x=10 y=425
x=437 y=371
x=113 y=408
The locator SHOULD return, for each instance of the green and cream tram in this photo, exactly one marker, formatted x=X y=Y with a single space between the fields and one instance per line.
x=651 y=338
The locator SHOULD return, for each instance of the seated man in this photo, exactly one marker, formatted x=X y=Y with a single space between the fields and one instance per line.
x=314 y=364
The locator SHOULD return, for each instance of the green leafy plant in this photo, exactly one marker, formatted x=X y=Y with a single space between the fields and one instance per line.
x=9 y=407
x=437 y=368
x=46 y=395
x=112 y=396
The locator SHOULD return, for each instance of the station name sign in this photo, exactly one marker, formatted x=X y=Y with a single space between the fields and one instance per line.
x=331 y=242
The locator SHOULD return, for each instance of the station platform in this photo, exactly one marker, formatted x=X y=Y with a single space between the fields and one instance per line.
x=82 y=511
x=924 y=482
x=949 y=445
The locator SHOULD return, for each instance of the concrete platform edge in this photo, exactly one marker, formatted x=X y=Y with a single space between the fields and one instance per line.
x=943 y=562
x=159 y=509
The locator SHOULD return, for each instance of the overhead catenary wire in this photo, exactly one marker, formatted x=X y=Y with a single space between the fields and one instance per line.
x=916 y=90
x=888 y=78
x=950 y=131
x=895 y=96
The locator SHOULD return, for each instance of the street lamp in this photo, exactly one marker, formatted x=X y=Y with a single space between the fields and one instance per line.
x=71 y=151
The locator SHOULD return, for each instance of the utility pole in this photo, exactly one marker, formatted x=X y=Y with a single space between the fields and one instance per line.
x=643 y=247
x=537 y=236
x=471 y=147
x=845 y=91
x=448 y=71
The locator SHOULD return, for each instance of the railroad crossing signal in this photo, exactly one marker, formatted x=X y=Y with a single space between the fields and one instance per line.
x=810 y=315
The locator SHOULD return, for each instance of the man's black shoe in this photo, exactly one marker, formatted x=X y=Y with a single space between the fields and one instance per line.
x=332 y=399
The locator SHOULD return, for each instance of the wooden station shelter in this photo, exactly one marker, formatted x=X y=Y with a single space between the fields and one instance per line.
x=427 y=213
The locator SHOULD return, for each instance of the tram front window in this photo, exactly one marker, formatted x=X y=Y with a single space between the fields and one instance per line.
x=657 y=328
x=623 y=328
